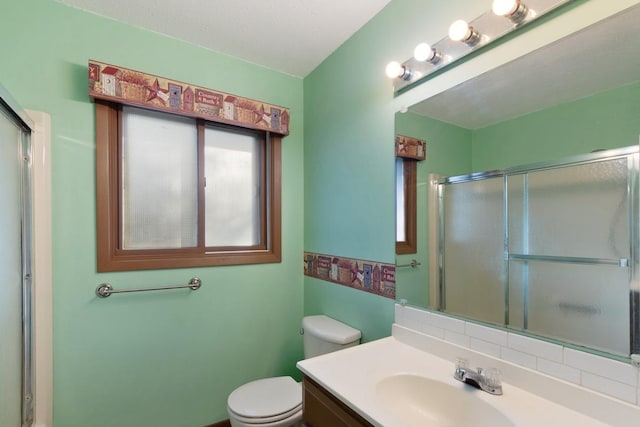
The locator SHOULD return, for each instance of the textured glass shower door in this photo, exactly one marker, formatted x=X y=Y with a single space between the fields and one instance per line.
x=16 y=403
x=10 y=274
x=569 y=246
x=473 y=266
x=550 y=249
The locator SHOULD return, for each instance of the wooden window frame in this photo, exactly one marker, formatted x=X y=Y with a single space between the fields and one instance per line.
x=111 y=256
x=410 y=245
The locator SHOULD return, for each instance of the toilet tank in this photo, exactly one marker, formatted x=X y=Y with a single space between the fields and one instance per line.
x=323 y=335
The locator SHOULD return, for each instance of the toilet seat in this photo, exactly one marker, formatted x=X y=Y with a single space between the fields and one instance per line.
x=291 y=415
x=266 y=401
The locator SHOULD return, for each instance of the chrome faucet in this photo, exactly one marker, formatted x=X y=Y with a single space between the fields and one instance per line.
x=489 y=381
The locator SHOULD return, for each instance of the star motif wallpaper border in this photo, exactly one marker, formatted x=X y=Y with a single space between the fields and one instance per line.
x=368 y=276
x=411 y=148
x=122 y=85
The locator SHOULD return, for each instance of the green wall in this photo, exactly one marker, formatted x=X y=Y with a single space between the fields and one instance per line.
x=606 y=120
x=448 y=153
x=170 y=359
x=349 y=125
x=349 y=130
x=152 y=359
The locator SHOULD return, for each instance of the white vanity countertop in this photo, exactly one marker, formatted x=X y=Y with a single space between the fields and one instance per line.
x=352 y=376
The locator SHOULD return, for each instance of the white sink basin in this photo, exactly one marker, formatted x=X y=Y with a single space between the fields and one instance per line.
x=391 y=383
x=420 y=401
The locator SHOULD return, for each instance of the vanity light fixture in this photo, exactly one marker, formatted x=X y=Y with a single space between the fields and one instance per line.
x=515 y=10
x=395 y=70
x=461 y=31
x=425 y=53
x=427 y=59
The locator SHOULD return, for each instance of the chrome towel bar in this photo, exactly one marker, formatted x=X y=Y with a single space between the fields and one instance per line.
x=105 y=289
x=412 y=264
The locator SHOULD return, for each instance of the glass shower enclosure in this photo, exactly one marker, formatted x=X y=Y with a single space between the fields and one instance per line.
x=550 y=249
x=16 y=398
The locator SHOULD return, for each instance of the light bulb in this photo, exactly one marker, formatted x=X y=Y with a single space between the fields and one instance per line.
x=394 y=70
x=423 y=52
x=459 y=31
x=504 y=7
x=515 y=10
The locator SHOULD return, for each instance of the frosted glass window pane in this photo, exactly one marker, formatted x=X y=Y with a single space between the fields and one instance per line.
x=10 y=274
x=583 y=304
x=400 y=203
x=474 y=247
x=559 y=200
x=160 y=176
x=232 y=192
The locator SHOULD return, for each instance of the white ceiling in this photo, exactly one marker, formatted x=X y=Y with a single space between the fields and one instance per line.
x=291 y=36
x=599 y=58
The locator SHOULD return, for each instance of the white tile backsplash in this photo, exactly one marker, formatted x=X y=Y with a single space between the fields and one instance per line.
x=413 y=318
x=456 y=338
x=485 y=333
x=518 y=357
x=448 y=323
x=538 y=348
x=559 y=370
x=484 y=347
x=607 y=386
x=618 y=371
x=611 y=377
x=399 y=313
x=434 y=331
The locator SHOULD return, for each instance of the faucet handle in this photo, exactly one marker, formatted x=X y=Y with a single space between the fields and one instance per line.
x=462 y=363
x=461 y=368
x=492 y=377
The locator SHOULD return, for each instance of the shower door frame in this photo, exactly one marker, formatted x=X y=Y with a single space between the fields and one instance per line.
x=632 y=154
x=16 y=114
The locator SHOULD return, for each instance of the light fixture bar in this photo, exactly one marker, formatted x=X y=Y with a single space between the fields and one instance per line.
x=504 y=17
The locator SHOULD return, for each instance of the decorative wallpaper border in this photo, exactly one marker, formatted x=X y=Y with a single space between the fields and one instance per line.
x=409 y=147
x=369 y=276
x=114 y=83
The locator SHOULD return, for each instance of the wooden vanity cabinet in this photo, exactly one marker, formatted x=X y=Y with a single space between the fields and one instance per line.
x=321 y=409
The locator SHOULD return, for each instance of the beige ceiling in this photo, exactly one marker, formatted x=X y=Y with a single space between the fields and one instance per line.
x=291 y=36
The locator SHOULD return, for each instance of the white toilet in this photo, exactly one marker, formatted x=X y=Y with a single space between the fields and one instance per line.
x=277 y=402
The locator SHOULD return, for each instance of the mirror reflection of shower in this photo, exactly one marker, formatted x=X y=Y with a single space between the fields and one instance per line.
x=545 y=249
x=548 y=104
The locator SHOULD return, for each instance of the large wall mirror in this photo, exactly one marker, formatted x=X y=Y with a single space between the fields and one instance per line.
x=577 y=102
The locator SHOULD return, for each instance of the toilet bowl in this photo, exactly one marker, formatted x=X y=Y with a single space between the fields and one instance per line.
x=270 y=402
x=277 y=402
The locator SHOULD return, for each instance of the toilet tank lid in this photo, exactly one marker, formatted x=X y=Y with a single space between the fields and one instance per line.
x=329 y=329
